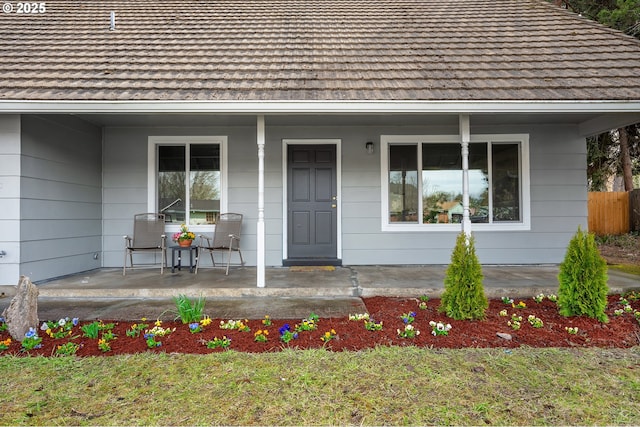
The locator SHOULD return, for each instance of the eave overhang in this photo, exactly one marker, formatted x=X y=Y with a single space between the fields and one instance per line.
x=318 y=107
x=604 y=114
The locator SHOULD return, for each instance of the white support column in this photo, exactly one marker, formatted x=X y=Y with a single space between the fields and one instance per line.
x=465 y=138
x=260 y=232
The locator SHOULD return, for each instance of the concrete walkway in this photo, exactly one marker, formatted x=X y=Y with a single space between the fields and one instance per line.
x=290 y=293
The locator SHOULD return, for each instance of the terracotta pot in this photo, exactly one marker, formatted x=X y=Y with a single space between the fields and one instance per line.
x=185 y=243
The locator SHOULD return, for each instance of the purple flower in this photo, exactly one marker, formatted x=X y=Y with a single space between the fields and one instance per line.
x=194 y=326
x=75 y=321
x=284 y=328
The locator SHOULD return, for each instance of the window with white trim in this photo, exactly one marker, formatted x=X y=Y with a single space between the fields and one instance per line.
x=422 y=182
x=187 y=179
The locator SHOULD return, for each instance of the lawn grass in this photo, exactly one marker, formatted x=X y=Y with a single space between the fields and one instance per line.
x=626 y=268
x=385 y=386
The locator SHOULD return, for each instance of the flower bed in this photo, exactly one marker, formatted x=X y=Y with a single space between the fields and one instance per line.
x=388 y=322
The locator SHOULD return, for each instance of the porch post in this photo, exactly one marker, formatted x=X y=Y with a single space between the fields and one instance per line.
x=260 y=232
x=465 y=137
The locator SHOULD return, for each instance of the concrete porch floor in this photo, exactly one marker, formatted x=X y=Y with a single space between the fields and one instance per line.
x=289 y=293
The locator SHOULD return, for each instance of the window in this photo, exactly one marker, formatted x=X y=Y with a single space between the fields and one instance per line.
x=422 y=182
x=187 y=172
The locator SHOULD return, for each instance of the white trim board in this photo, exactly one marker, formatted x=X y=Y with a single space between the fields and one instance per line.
x=305 y=107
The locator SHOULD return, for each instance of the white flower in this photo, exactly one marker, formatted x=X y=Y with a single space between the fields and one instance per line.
x=44 y=326
x=448 y=327
x=432 y=323
x=433 y=332
x=440 y=327
x=61 y=322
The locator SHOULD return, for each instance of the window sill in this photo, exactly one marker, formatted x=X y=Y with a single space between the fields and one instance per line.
x=475 y=227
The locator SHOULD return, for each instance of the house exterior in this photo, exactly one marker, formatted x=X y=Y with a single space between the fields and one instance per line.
x=338 y=129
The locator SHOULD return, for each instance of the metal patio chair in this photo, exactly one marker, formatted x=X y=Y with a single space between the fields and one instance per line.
x=148 y=236
x=226 y=239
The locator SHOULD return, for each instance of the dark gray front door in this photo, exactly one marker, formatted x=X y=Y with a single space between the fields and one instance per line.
x=312 y=205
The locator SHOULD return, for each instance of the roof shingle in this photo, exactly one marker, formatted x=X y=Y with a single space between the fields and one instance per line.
x=314 y=50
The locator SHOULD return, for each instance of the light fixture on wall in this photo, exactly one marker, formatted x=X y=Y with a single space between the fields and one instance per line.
x=369 y=147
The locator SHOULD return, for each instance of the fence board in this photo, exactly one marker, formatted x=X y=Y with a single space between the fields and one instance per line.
x=608 y=212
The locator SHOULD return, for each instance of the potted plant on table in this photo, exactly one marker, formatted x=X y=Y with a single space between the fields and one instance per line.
x=184 y=237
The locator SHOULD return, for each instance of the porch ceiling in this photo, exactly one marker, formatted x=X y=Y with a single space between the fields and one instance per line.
x=204 y=120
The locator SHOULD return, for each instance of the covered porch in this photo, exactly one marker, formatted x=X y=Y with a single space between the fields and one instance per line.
x=520 y=281
x=291 y=292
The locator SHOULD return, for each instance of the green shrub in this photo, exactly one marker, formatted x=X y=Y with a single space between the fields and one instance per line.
x=583 y=279
x=463 y=297
x=189 y=312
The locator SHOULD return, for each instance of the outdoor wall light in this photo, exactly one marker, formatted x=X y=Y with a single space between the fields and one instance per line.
x=369 y=147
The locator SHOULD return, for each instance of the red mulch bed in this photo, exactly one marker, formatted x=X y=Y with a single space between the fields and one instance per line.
x=621 y=331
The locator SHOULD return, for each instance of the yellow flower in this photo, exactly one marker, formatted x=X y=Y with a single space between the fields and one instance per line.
x=158 y=323
x=206 y=321
x=144 y=319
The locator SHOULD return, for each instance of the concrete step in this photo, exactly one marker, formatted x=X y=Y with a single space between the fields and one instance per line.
x=194 y=292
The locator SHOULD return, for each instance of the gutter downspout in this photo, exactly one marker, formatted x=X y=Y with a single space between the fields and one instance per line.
x=465 y=137
x=260 y=232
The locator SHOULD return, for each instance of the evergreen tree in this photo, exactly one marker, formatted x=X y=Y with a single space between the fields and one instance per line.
x=463 y=297
x=583 y=279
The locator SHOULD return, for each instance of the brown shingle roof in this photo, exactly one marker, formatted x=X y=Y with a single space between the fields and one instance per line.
x=314 y=50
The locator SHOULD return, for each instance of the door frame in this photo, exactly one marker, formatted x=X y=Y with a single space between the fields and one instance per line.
x=285 y=189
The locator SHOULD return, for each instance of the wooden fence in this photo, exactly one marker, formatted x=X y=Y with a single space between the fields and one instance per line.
x=609 y=213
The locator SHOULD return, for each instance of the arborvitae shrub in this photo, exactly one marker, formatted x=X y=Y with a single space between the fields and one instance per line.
x=582 y=279
x=463 y=297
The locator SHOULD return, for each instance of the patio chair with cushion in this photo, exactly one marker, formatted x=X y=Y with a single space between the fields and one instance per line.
x=148 y=236
x=226 y=239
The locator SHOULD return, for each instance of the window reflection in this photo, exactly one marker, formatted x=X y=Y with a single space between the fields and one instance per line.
x=506 y=182
x=442 y=183
x=171 y=188
x=403 y=183
x=204 y=183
